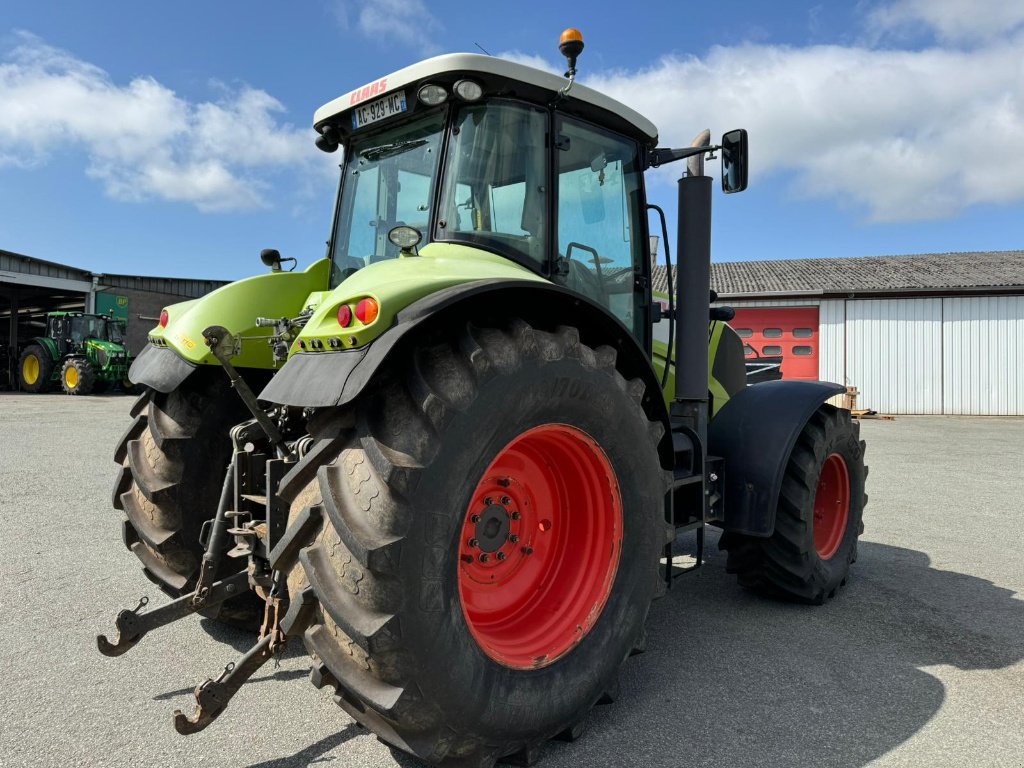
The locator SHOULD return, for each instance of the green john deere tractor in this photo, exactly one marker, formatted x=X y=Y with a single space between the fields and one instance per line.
x=450 y=458
x=83 y=353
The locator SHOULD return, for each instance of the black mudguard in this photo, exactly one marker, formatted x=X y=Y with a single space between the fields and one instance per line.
x=161 y=368
x=322 y=379
x=754 y=433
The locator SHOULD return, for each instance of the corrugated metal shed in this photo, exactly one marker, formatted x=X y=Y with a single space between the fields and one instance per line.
x=1001 y=271
x=958 y=351
x=19 y=269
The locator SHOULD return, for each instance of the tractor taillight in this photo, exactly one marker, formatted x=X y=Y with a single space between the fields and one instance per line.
x=164 y=317
x=345 y=316
x=367 y=311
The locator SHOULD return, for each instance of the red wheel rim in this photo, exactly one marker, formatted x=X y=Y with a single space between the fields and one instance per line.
x=831 y=506
x=540 y=546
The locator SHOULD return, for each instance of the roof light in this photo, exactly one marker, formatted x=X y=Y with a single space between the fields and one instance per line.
x=344 y=316
x=367 y=311
x=468 y=90
x=432 y=95
x=405 y=237
x=164 y=318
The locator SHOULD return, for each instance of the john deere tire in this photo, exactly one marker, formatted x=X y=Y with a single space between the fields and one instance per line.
x=172 y=461
x=477 y=542
x=77 y=377
x=818 y=519
x=35 y=367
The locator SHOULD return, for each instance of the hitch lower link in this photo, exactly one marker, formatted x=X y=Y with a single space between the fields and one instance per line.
x=213 y=695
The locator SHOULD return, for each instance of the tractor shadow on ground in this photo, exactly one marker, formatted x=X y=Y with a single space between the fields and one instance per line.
x=730 y=679
x=316 y=753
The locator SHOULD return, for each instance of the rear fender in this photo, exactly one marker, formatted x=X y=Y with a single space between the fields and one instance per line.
x=333 y=378
x=178 y=349
x=755 y=433
x=48 y=344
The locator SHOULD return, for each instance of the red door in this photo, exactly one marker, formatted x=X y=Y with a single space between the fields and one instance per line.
x=787 y=332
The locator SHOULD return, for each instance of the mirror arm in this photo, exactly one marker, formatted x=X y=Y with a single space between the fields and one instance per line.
x=663 y=156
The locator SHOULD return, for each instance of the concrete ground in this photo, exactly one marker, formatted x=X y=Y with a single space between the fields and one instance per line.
x=919 y=662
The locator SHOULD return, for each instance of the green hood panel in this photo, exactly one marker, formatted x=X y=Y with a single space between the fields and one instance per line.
x=395 y=284
x=236 y=306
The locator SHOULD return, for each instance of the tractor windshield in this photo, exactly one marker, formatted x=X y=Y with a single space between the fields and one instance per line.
x=116 y=331
x=388 y=179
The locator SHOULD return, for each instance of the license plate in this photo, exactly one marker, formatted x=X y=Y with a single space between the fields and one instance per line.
x=378 y=110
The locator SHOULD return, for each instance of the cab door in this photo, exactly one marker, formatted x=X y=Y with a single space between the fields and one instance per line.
x=602 y=236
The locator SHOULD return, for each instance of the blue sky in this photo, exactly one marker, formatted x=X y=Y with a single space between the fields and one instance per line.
x=174 y=138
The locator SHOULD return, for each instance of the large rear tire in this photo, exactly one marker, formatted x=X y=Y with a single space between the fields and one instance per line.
x=172 y=461
x=35 y=367
x=478 y=486
x=818 y=519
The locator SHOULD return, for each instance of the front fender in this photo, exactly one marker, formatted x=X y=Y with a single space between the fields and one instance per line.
x=754 y=433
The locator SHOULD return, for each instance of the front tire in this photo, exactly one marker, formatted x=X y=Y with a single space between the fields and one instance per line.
x=818 y=519
x=77 y=377
x=405 y=627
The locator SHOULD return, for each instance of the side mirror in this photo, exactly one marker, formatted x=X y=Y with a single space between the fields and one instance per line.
x=734 y=161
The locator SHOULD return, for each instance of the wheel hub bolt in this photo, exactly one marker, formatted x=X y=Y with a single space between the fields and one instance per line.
x=484 y=557
x=505 y=501
x=515 y=515
x=500 y=555
x=527 y=550
x=488 y=501
x=504 y=482
x=474 y=543
x=474 y=518
x=513 y=538
x=467 y=558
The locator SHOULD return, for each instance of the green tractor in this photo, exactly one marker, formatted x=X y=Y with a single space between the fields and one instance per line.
x=463 y=477
x=84 y=353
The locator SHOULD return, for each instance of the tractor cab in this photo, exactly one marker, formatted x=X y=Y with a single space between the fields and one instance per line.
x=479 y=151
x=70 y=330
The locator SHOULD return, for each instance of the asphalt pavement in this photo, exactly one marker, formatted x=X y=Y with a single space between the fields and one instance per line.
x=918 y=662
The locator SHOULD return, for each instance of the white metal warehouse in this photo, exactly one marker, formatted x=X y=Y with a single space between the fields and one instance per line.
x=926 y=334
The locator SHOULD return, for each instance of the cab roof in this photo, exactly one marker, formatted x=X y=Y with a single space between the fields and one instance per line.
x=536 y=85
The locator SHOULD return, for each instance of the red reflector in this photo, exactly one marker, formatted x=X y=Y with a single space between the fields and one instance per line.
x=367 y=311
x=164 y=317
x=344 y=316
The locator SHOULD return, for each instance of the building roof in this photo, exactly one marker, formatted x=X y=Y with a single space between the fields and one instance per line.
x=923 y=273
x=28 y=270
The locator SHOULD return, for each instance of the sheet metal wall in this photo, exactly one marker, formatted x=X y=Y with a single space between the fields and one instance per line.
x=954 y=355
x=894 y=354
x=983 y=353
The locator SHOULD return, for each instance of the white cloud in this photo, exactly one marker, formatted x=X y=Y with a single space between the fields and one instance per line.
x=387 y=22
x=142 y=140
x=951 y=20
x=903 y=134
x=532 y=60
